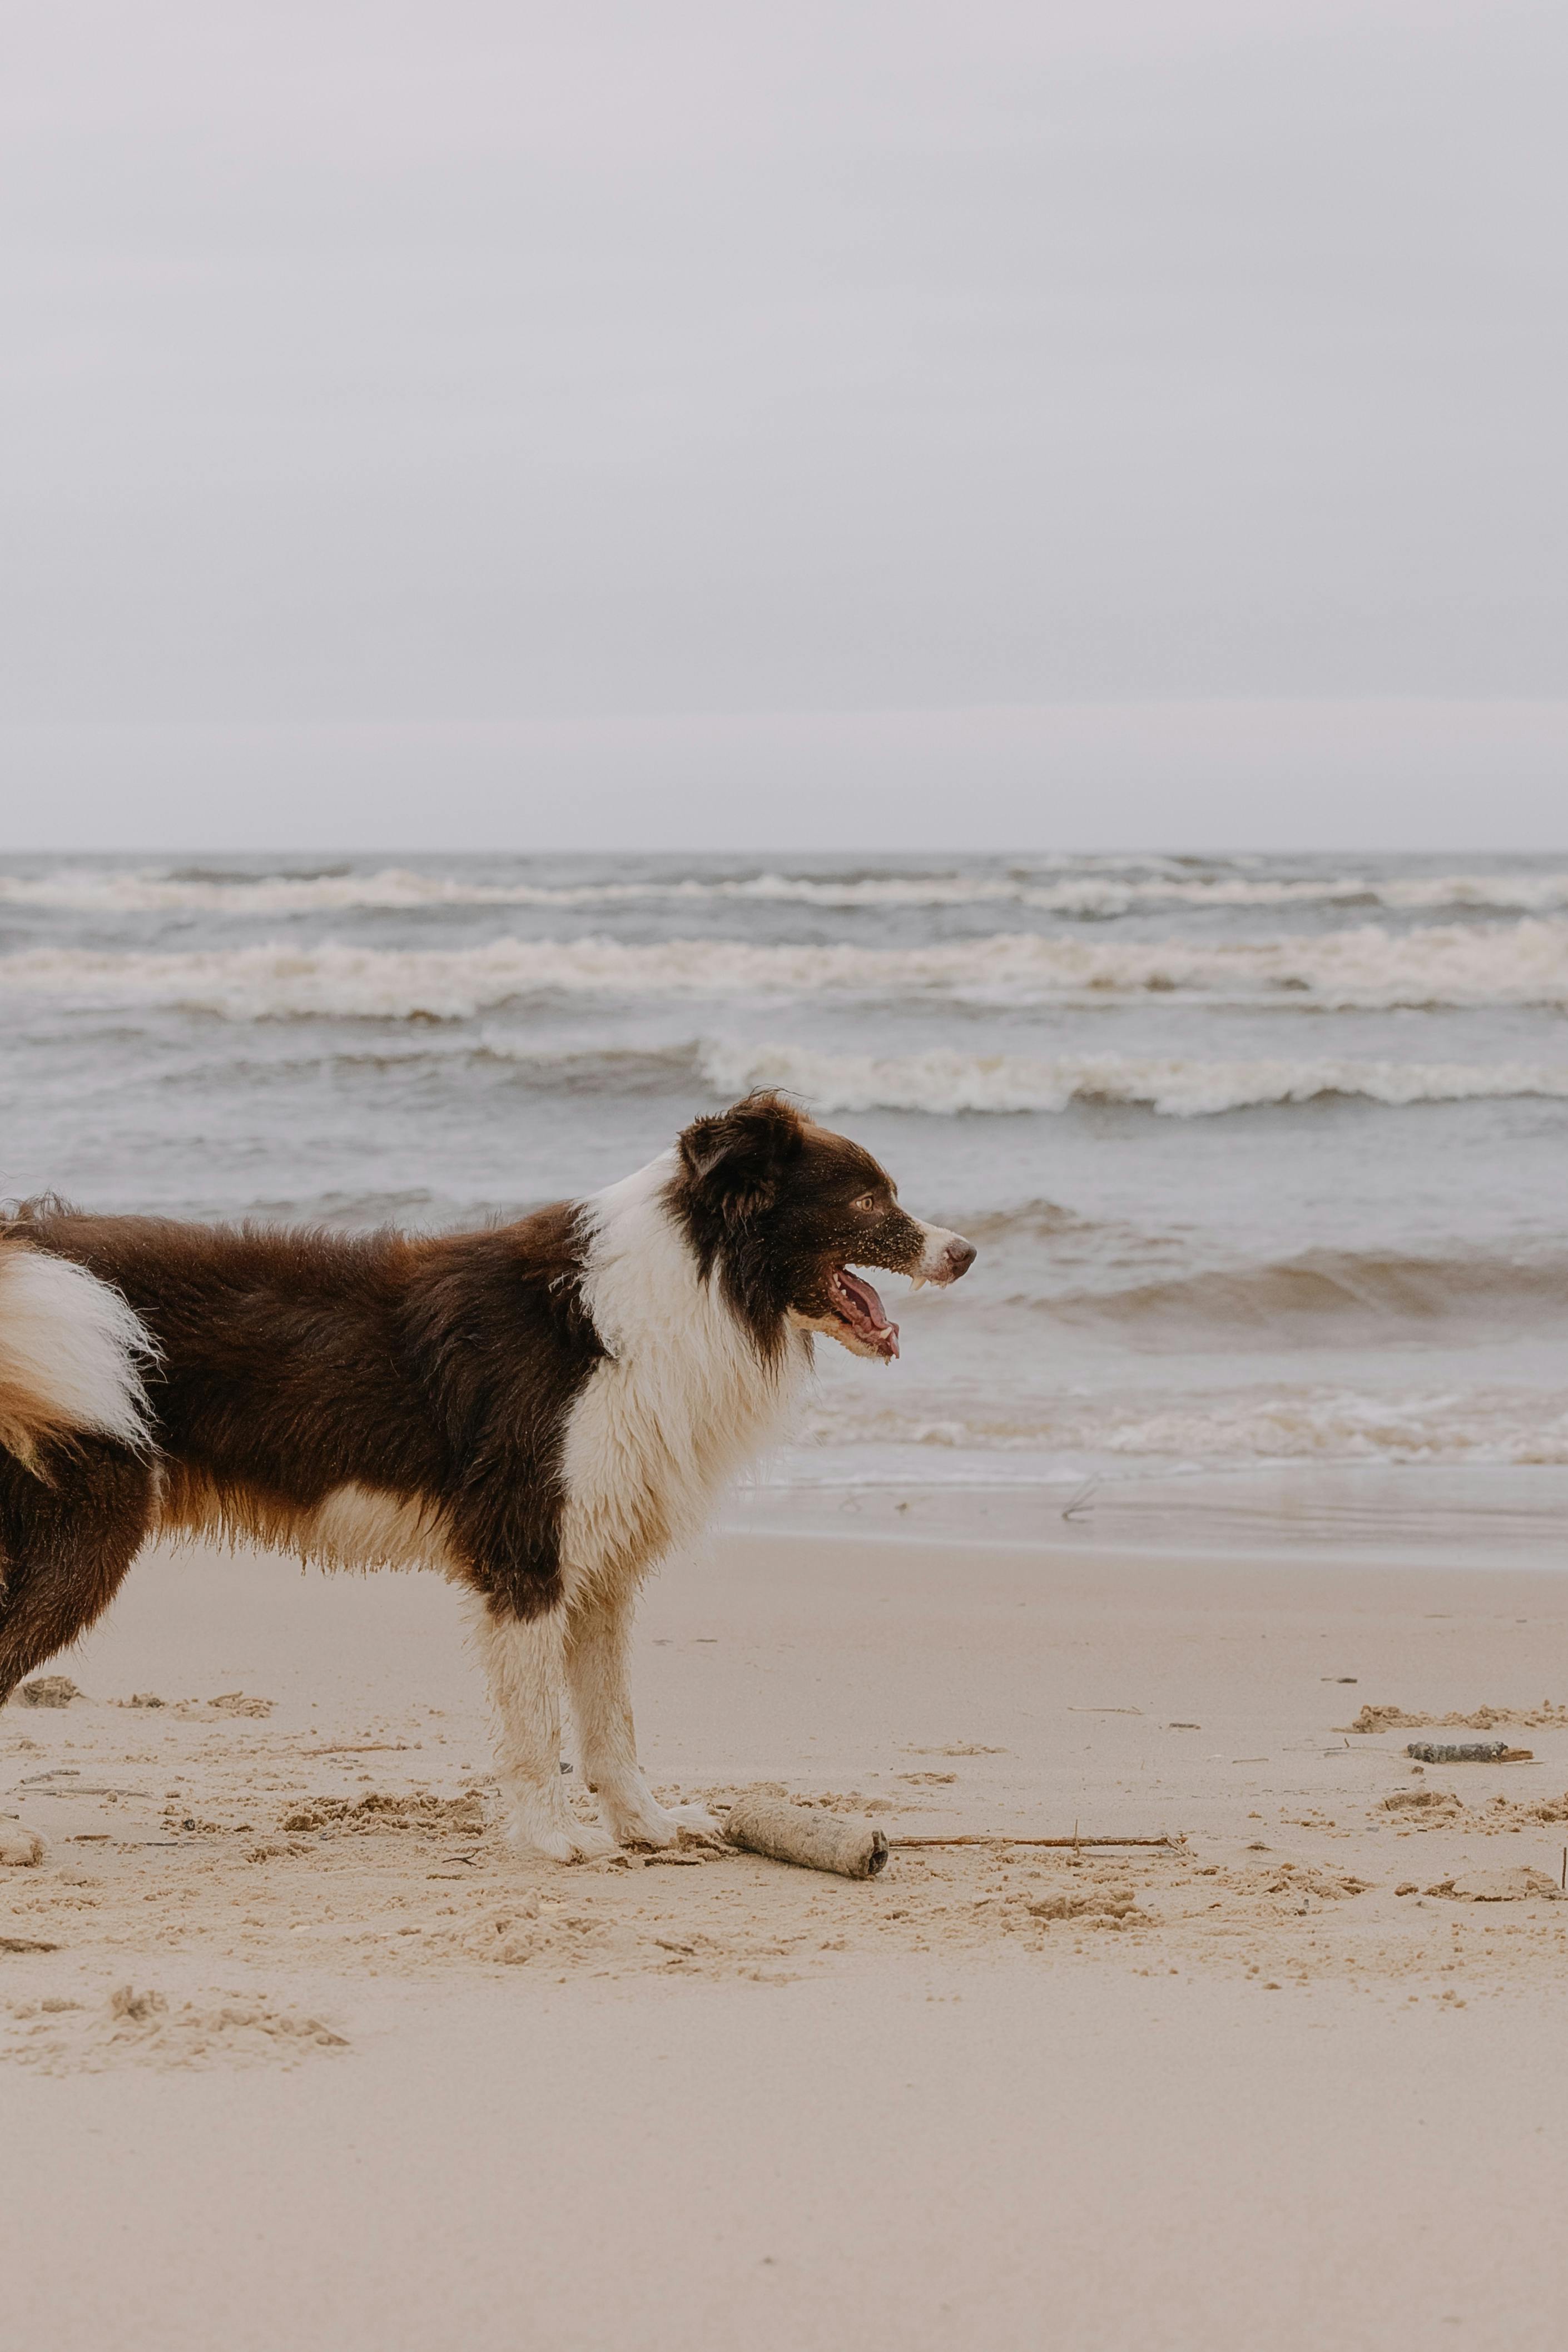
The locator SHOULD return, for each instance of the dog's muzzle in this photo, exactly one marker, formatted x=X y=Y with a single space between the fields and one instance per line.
x=945 y=1257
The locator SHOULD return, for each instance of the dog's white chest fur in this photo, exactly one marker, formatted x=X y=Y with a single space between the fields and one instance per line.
x=682 y=1402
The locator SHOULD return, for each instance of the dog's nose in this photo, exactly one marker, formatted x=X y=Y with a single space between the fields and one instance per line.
x=961 y=1255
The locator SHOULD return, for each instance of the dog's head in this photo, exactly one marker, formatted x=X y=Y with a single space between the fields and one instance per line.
x=786 y=1208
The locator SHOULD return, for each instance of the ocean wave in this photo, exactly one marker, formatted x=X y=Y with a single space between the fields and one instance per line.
x=1095 y=894
x=1031 y=1220
x=947 y=1083
x=1323 y=1424
x=1519 y=963
x=1323 y=1296
x=941 y=1083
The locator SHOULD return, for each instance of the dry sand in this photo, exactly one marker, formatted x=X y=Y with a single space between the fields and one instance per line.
x=292 y=2053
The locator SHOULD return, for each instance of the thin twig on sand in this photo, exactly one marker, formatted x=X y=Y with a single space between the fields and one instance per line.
x=997 y=1838
x=360 y=1748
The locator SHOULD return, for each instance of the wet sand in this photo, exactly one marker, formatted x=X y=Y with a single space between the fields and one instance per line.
x=312 y=2061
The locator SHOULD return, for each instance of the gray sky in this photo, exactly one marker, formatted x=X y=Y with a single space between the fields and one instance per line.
x=679 y=424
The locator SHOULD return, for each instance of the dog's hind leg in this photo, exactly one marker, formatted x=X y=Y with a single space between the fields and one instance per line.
x=598 y=1636
x=524 y=1668
x=68 y=1531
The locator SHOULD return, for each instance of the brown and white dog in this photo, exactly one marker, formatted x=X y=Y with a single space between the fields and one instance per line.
x=540 y=1409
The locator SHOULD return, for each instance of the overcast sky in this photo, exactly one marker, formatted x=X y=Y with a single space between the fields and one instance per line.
x=455 y=421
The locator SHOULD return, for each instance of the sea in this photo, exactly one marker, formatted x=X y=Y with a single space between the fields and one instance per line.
x=1266 y=1157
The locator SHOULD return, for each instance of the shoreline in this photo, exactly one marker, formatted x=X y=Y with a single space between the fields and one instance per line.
x=1477 y=1516
x=1386 y=1559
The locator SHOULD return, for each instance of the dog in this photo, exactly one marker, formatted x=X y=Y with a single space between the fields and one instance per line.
x=540 y=1409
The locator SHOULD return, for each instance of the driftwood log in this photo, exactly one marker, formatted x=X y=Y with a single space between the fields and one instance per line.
x=807 y=1835
x=818 y=1840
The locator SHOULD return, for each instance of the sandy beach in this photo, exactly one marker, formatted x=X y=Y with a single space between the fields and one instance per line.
x=290 y=2049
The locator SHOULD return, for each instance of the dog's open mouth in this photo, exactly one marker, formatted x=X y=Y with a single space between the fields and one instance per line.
x=854 y=1302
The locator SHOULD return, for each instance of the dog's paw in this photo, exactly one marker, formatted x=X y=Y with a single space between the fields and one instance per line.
x=557 y=1838
x=637 y=1818
x=21 y=1848
x=697 y=1825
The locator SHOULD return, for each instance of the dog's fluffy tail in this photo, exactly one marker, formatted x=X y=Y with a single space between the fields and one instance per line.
x=72 y=1355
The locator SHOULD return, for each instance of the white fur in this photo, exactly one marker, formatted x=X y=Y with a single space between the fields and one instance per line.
x=682 y=1401
x=598 y=1635
x=72 y=1353
x=523 y=1668
x=935 y=1265
x=355 y=1527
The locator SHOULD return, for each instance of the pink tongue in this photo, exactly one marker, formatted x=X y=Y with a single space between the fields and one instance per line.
x=881 y=1330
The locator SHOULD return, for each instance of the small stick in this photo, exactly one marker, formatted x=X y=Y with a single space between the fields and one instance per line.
x=990 y=1838
x=359 y=1748
x=1083 y=1501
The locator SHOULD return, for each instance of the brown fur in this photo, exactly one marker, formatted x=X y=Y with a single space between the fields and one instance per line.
x=777 y=1202
x=291 y=1363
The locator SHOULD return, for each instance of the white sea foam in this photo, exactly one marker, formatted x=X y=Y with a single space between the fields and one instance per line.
x=947 y=1083
x=1306 y=1424
x=942 y=1081
x=1093 y=893
x=1525 y=962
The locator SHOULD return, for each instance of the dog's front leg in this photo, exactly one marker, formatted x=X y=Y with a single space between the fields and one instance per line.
x=524 y=1667
x=598 y=1636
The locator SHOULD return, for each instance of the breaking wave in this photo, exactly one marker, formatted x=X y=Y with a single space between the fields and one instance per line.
x=947 y=1083
x=1329 y=1297
x=1104 y=895
x=941 y=1083
x=1518 y=963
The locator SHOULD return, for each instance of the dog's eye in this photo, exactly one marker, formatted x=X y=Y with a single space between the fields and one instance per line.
x=868 y=1202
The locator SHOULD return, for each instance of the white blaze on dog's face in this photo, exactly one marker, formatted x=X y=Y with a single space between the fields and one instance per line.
x=788 y=1209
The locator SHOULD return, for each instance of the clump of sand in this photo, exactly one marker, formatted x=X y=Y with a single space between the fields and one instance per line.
x=144 y=2028
x=1549 y=1808
x=1497 y=1887
x=234 y=1705
x=1300 y=1883
x=522 y=1929
x=20 y=1848
x=1310 y=1878
x=49 y=1690
x=1418 y=1801
x=1546 y=1717
x=1440 y=1809
x=1096 y=1906
x=376 y=1811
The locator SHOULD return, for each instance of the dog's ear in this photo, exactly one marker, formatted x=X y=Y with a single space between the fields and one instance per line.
x=733 y=1161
